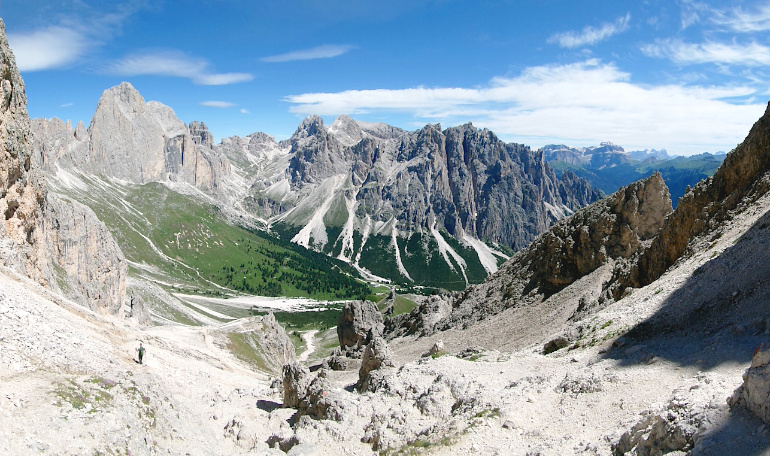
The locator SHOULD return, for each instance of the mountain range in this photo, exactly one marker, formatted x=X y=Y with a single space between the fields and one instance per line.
x=433 y=207
x=609 y=167
x=627 y=327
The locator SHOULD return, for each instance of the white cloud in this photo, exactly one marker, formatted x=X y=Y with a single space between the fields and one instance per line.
x=591 y=35
x=577 y=104
x=174 y=64
x=245 y=111
x=744 y=21
x=218 y=104
x=753 y=54
x=66 y=105
x=319 y=52
x=48 y=48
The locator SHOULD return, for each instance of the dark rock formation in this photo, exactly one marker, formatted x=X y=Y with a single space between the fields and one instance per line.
x=296 y=379
x=359 y=323
x=614 y=228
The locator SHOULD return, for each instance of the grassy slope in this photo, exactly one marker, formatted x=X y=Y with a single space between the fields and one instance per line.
x=202 y=253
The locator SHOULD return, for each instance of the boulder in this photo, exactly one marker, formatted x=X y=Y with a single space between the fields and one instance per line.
x=754 y=394
x=296 y=380
x=360 y=321
x=376 y=355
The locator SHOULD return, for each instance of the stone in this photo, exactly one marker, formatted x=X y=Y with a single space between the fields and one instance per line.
x=376 y=355
x=359 y=322
x=754 y=393
x=437 y=348
x=296 y=380
x=555 y=344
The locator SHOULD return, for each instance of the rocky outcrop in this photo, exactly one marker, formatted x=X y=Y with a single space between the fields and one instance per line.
x=754 y=393
x=613 y=229
x=200 y=134
x=22 y=186
x=296 y=379
x=359 y=323
x=134 y=140
x=94 y=267
x=740 y=179
x=376 y=356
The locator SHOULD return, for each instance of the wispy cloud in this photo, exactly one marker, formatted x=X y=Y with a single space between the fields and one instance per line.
x=591 y=35
x=174 y=64
x=218 y=104
x=753 y=54
x=66 y=105
x=245 y=111
x=740 y=20
x=71 y=38
x=325 y=51
x=51 y=47
x=580 y=104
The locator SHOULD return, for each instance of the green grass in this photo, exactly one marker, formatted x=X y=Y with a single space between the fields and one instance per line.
x=303 y=321
x=246 y=348
x=403 y=305
x=204 y=254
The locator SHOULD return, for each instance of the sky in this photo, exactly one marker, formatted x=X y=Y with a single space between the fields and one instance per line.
x=684 y=75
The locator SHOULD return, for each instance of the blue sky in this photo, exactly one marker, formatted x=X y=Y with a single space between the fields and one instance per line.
x=687 y=76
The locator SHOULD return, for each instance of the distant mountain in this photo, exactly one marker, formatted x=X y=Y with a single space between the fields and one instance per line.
x=609 y=167
x=434 y=207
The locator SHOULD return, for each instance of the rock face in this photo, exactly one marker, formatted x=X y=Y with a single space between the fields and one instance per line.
x=741 y=178
x=359 y=323
x=22 y=186
x=376 y=355
x=296 y=379
x=94 y=268
x=133 y=140
x=56 y=242
x=427 y=198
x=754 y=394
x=613 y=229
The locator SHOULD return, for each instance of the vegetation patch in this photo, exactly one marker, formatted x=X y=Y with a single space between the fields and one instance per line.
x=245 y=348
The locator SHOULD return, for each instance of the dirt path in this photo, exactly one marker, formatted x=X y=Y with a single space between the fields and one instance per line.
x=309 y=338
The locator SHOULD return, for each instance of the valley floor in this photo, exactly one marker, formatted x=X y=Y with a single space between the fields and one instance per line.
x=70 y=383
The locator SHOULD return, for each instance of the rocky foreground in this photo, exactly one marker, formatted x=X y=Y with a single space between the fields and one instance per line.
x=70 y=383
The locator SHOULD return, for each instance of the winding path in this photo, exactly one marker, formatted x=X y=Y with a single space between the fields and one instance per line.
x=309 y=338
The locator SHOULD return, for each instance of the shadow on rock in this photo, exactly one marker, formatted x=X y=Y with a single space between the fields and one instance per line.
x=720 y=314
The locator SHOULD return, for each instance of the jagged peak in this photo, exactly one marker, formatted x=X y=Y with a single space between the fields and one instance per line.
x=346 y=130
x=310 y=126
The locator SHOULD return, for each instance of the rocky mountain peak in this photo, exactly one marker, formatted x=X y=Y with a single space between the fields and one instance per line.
x=201 y=134
x=310 y=126
x=346 y=130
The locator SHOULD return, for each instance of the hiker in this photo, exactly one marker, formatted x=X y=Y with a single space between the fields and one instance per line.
x=140 y=350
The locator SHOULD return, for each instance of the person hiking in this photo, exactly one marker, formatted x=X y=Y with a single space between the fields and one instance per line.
x=140 y=350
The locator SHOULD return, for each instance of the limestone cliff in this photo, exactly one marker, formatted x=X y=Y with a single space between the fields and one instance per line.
x=134 y=140
x=58 y=243
x=22 y=186
x=81 y=246
x=608 y=231
x=742 y=177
